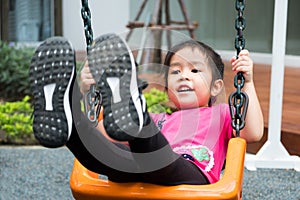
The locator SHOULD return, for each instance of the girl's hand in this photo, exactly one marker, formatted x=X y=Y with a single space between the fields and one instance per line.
x=243 y=64
x=254 y=124
x=86 y=79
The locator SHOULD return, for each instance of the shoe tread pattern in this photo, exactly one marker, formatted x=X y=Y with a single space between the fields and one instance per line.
x=109 y=57
x=52 y=63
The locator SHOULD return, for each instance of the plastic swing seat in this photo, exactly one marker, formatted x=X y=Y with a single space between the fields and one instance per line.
x=86 y=184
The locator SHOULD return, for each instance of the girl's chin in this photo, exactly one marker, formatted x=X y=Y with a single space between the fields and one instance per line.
x=190 y=105
x=183 y=106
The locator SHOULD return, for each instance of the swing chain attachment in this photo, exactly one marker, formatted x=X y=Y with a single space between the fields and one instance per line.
x=92 y=98
x=238 y=100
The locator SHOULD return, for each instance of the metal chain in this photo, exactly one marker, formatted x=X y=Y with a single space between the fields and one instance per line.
x=92 y=98
x=238 y=100
x=86 y=16
x=240 y=24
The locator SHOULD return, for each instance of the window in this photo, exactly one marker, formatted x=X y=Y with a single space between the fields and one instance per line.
x=30 y=20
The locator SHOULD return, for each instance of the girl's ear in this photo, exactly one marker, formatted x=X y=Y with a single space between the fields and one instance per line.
x=217 y=87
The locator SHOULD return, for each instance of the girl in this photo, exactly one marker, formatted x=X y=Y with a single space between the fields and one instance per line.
x=186 y=147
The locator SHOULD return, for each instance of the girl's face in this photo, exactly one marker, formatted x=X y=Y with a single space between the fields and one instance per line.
x=189 y=79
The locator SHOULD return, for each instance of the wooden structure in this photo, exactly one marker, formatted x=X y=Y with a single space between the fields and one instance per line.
x=156 y=25
x=156 y=21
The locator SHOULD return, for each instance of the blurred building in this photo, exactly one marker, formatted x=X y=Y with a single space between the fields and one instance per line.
x=32 y=21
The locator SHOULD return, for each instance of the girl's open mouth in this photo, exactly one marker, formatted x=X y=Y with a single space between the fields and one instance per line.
x=184 y=88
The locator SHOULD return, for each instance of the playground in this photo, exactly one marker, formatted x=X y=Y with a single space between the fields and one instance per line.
x=268 y=169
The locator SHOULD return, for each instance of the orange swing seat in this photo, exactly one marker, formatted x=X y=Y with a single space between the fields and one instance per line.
x=86 y=184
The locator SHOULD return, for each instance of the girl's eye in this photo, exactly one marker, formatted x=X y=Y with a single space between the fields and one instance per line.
x=175 y=72
x=195 y=70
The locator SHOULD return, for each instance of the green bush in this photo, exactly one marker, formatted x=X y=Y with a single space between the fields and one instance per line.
x=16 y=117
x=16 y=122
x=14 y=68
x=157 y=101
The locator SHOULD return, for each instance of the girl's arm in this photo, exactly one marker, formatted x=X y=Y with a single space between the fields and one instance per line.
x=254 y=124
x=86 y=79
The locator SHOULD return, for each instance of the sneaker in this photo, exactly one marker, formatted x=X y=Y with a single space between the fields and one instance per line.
x=51 y=74
x=112 y=65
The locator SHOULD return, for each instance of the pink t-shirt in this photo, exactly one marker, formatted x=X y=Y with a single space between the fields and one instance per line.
x=202 y=133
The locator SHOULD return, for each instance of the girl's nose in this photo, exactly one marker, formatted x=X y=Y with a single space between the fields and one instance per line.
x=185 y=75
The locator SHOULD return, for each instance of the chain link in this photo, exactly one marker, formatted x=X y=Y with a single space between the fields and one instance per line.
x=92 y=98
x=238 y=100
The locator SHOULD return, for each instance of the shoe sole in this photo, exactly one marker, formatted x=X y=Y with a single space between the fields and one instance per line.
x=112 y=65
x=51 y=73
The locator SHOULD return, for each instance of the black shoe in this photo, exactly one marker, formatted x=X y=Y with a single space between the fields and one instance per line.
x=112 y=65
x=51 y=75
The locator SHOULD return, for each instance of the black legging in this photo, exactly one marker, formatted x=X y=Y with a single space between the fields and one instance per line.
x=180 y=171
x=137 y=160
